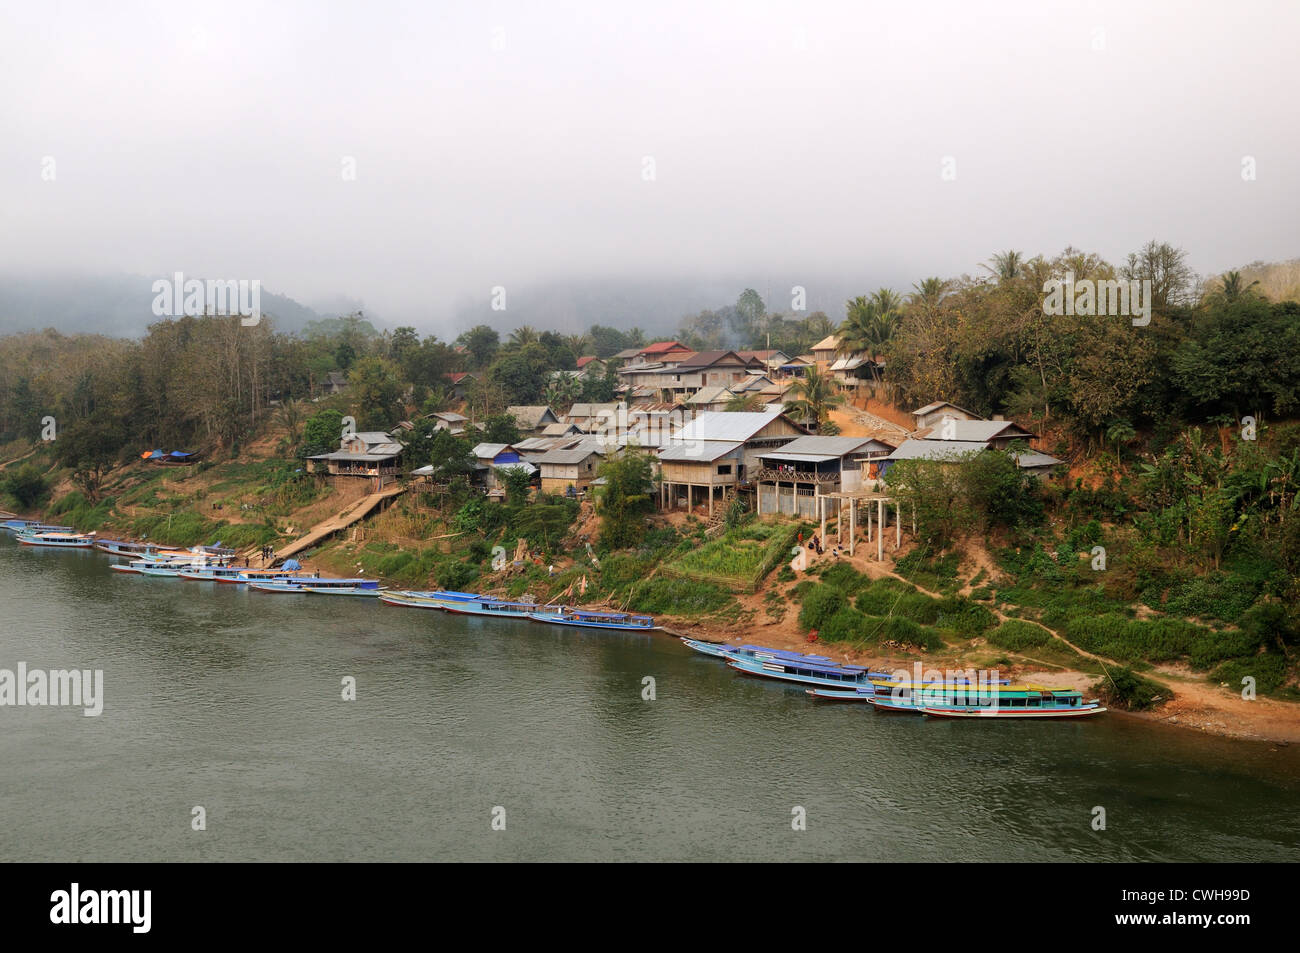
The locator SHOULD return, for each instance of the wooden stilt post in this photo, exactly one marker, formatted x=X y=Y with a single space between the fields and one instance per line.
x=710 y=501
x=880 y=529
x=821 y=511
x=898 y=525
x=853 y=523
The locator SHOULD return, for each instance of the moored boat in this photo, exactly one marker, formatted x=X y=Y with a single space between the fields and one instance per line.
x=59 y=540
x=421 y=599
x=965 y=699
x=713 y=649
x=32 y=526
x=490 y=606
x=805 y=671
x=319 y=586
x=586 y=619
x=227 y=574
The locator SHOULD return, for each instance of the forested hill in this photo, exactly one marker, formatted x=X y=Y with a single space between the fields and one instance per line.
x=115 y=305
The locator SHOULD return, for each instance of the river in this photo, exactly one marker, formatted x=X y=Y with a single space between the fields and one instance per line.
x=230 y=700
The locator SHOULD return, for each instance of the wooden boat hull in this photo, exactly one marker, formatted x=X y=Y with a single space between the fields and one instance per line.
x=49 y=544
x=838 y=695
x=552 y=619
x=891 y=707
x=712 y=649
x=389 y=598
x=1011 y=713
x=768 y=670
x=328 y=591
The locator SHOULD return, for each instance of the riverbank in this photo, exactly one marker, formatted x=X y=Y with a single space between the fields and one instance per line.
x=254 y=497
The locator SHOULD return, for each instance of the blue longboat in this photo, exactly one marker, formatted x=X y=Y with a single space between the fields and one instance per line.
x=428 y=599
x=319 y=586
x=490 y=606
x=586 y=619
x=805 y=671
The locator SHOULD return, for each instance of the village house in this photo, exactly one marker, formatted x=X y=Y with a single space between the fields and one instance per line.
x=625 y=356
x=590 y=418
x=561 y=429
x=367 y=454
x=335 y=382
x=591 y=367
x=531 y=419
x=716 y=369
x=449 y=421
x=931 y=414
x=772 y=359
x=710 y=399
x=494 y=457
x=796 y=366
x=956 y=451
x=825 y=351
x=460 y=383
x=993 y=434
x=792 y=478
x=712 y=456
x=656 y=378
x=660 y=352
x=570 y=466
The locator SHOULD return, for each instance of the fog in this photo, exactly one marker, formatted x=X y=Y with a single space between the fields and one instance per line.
x=410 y=158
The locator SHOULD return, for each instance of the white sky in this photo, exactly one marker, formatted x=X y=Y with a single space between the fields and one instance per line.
x=787 y=137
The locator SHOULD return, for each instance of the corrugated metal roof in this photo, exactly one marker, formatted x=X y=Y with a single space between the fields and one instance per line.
x=699 y=451
x=486 y=451
x=710 y=395
x=827 y=446
x=1027 y=460
x=981 y=430
x=800 y=457
x=940 y=403
x=355 y=457
x=725 y=425
x=576 y=455
x=935 y=449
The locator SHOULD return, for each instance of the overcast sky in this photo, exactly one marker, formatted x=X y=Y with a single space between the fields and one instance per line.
x=500 y=143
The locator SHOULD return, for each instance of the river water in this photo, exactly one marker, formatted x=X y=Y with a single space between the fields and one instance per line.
x=230 y=700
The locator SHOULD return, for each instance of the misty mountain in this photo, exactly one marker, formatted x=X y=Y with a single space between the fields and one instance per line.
x=117 y=305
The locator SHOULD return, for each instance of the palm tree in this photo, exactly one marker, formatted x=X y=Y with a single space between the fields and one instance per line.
x=869 y=326
x=579 y=344
x=746 y=402
x=1232 y=287
x=524 y=334
x=1119 y=433
x=814 y=397
x=928 y=294
x=1006 y=265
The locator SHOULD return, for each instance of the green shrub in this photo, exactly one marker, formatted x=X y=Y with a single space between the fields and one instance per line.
x=1268 y=669
x=964 y=616
x=881 y=596
x=819 y=604
x=1018 y=636
x=918 y=607
x=845 y=625
x=845 y=577
x=1124 y=688
x=906 y=632
x=680 y=597
x=456 y=576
